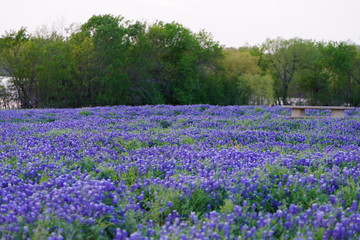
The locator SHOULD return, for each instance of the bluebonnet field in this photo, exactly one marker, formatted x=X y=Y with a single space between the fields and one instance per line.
x=178 y=172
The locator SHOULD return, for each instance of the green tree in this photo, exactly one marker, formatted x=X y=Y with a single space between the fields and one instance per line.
x=107 y=37
x=311 y=80
x=283 y=58
x=185 y=61
x=240 y=61
x=355 y=64
x=355 y=75
x=84 y=67
x=176 y=70
x=143 y=67
x=55 y=73
x=19 y=58
x=5 y=97
x=261 y=88
x=337 y=61
x=242 y=72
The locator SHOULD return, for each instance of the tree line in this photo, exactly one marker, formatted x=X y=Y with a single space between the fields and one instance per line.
x=111 y=61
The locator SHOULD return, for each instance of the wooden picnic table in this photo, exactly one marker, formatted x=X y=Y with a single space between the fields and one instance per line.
x=299 y=111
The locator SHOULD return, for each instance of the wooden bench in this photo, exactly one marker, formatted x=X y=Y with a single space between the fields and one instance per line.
x=299 y=111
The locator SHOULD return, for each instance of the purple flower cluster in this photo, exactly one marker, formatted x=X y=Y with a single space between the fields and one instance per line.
x=178 y=172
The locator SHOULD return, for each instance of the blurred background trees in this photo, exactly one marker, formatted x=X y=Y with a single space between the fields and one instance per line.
x=111 y=61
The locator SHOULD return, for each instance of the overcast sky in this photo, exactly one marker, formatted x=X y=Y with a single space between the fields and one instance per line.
x=233 y=23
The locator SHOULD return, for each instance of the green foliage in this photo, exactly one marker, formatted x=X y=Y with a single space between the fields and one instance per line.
x=239 y=65
x=5 y=96
x=13 y=161
x=227 y=207
x=54 y=72
x=336 y=59
x=19 y=56
x=320 y=233
x=131 y=221
x=240 y=61
x=85 y=113
x=111 y=61
x=85 y=164
x=349 y=193
x=130 y=176
x=188 y=140
x=261 y=88
x=107 y=173
x=283 y=61
x=301 y=195
x=156 y=203
x=44 y=228
x=132 y=144
x=164 y=124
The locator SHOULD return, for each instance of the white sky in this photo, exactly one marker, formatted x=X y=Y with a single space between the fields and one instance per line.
x=233 y=23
